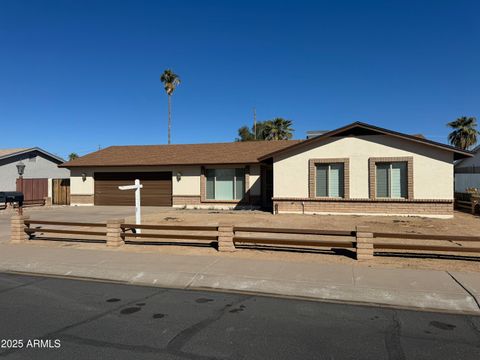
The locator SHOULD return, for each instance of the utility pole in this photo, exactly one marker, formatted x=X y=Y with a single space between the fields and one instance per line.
x=255 y=123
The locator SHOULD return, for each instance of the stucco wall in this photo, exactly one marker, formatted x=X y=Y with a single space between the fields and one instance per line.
x=432 y=167
x=255 y=184
x=42 y=167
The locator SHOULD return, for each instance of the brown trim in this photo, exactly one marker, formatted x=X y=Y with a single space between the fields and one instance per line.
x=372 y=174
x=312 y=176
x=375 y=129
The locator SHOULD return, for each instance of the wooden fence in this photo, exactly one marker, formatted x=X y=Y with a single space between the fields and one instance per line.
x=362 y=242
x=418 y=242
x=34 y=229
x=34 y=190
x=175 y=233
x=61 y=191
x=290 y=237
x=467 y=202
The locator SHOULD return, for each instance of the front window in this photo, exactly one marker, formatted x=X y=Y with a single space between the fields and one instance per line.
x=330 y=180
x=225 y=184
x=391 y=180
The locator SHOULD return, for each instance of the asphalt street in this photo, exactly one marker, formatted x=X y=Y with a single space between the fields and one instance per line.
x=77 y=319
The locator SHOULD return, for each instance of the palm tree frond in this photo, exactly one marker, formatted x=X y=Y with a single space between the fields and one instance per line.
x=464 y=134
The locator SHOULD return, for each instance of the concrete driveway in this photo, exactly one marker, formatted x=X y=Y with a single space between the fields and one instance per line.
x=72 y=213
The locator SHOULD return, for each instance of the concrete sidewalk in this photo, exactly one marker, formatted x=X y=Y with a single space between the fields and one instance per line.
x=426 y=289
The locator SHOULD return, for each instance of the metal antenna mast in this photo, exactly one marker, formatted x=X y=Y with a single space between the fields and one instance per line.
x=255 y=123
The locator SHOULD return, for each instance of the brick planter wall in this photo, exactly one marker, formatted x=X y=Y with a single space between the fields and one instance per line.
x=380 y=207
x=81 y=199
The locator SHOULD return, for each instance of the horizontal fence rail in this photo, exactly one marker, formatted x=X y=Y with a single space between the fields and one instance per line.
x=422 y=246
x=415 y=247
x=170 y=236
x=292 y=241
x=362 y=241
x=32 y=231
x=63 y=223
x=426 y=236
x=295 y=231
x=199 y=235
x=170 y=227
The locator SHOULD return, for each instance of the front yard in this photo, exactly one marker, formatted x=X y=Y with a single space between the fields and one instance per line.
x=461 y=224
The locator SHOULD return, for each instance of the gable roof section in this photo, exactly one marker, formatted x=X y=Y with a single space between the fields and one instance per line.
x=359 y=128
x=474 y=151
x=246 y=152
x=6 y=153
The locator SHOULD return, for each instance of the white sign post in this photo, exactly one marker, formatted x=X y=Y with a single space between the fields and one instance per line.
x=137 y=186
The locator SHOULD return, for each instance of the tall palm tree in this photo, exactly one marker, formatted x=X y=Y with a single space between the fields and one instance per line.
x=170 y=82
x=465 y=132
x=278 y=129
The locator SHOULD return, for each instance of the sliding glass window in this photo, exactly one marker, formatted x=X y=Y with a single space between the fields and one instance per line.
x=225 y=184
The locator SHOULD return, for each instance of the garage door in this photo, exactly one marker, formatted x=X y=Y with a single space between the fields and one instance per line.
x=156 y=191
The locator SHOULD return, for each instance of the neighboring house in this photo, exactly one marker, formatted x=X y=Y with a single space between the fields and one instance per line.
x=39 y=164
x=467 y=172
x=356 y=169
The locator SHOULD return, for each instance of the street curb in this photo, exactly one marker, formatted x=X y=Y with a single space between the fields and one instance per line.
x=242 y=292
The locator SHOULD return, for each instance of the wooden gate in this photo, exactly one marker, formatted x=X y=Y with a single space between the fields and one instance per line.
x=61 y=191
x=34 y=190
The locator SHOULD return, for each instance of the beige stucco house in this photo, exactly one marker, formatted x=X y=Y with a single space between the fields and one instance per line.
x=356 y=169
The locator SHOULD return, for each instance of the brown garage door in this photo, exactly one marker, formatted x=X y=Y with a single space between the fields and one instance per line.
x=156 y=191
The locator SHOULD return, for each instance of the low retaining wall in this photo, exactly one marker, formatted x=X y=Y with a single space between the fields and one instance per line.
x=195 y=202
x=426 y=208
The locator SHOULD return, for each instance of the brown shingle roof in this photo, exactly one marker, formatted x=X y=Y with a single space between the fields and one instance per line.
x=185 y=154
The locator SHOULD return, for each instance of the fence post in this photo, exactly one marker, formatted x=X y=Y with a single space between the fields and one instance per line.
x=364 y=244
x=225 y=238
x=17 y=229
x=114 y=232
x=474 y=202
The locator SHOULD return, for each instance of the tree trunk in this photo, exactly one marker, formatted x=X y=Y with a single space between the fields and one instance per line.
x=169 y=116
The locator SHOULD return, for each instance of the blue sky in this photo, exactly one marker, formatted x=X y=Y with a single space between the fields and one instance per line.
x=76 y=75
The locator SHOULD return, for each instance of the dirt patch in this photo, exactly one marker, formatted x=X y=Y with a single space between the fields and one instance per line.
x=461 y=224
